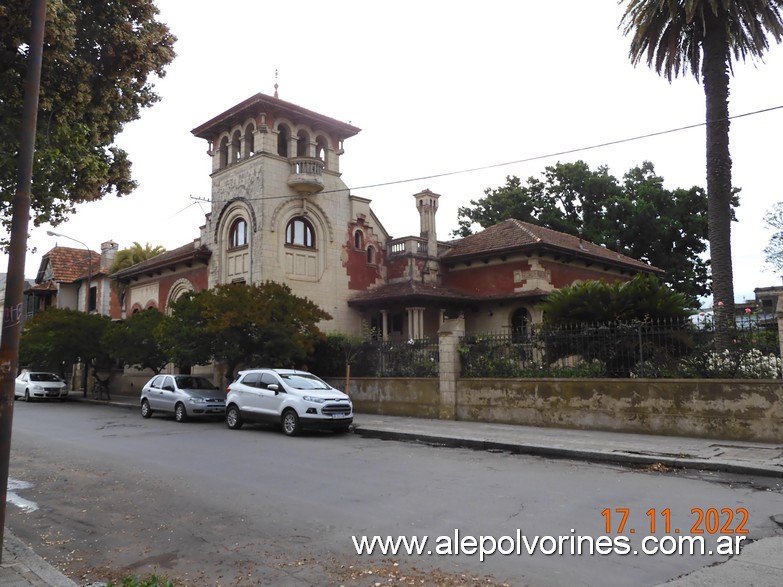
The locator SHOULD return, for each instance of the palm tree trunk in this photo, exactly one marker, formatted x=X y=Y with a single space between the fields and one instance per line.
x=716 y=91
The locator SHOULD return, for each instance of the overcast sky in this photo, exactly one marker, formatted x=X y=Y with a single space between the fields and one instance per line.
x=438 y=88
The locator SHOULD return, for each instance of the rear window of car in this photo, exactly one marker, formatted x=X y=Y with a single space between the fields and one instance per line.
x=187 y=382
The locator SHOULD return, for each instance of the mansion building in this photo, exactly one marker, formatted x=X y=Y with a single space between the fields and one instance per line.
x=280 y=211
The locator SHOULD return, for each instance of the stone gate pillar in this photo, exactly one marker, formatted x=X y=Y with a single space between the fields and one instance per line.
x=449 y=335
x=779 y=315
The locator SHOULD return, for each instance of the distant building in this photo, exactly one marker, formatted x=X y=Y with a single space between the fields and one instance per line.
x=75 y=279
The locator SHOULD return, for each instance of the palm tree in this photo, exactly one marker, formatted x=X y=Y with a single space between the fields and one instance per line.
x=706 y=36
x=134 y=254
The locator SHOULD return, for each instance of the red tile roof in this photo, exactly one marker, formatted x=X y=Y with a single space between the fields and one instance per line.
x=407 y=290
x=514 y=235
x=183 y=254
x=69 y=265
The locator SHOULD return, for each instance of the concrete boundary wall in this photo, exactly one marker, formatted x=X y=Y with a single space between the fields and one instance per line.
x=749 y=410
x=740 y=409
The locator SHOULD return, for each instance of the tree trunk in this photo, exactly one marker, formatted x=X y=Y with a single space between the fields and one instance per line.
x=716 y=91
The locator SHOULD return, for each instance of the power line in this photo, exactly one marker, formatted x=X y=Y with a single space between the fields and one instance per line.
x=525 y=160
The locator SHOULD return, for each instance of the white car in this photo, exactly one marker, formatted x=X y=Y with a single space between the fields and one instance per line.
x=40 y=385
x=293 y=399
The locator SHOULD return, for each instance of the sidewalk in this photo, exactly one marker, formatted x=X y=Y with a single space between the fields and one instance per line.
x=760 y=563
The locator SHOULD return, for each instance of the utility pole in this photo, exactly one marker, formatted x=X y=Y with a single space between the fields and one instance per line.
x=20 y=219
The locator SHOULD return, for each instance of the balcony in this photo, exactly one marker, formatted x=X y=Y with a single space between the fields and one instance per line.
x=306 y=175
x=407 y=245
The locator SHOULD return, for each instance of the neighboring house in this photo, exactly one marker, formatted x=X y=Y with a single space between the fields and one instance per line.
x=281 y=212
x=75 y=279
x=159 y=281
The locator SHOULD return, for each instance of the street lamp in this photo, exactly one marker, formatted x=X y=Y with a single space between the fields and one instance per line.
x=89 y=266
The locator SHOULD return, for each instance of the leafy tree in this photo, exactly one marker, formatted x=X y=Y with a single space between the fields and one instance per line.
x=774 y=250
x=645 y=297
x=183 y=335
x=665 y=228
x=57 y=338
x=604 y=322
x=237 y=324
x=134 y=341
x=97 y=60
x=705 y=37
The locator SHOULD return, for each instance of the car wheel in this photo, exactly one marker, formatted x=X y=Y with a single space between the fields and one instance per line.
x=27 y=395
x=233 y=418
x=146 y=410
x=180 y=414
x=290 y=423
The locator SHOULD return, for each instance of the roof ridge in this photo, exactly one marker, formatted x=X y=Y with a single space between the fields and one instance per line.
x=524 y=226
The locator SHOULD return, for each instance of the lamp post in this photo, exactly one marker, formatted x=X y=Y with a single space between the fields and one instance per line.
x=89 y=280
x=89 y=266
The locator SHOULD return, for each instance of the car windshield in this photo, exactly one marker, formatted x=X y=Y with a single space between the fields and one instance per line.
x=43 y=377
x=304 y=381
x=188 y=382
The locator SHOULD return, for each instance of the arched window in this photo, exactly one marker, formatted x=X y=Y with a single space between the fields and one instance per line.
x=283 y=134
x=224 y=153
x=302 y=144
x=320 y=148
x=237 y=236
x=236 y=151
x=370 y=254
x=300 y=232
x=357 y=239
x=250 y=144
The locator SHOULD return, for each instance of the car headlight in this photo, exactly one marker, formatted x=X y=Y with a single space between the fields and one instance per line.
x=315 y=400
x=38 y=387
x=196 y=400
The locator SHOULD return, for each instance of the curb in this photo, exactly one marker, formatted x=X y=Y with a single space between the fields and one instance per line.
x=570 y=453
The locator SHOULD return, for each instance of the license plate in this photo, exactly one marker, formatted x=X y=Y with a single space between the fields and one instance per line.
x=339 y=415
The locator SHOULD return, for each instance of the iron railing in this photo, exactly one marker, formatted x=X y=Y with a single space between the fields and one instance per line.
x=673 y=348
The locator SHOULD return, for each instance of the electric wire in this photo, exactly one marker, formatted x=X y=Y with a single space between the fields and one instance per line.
x=524 y=160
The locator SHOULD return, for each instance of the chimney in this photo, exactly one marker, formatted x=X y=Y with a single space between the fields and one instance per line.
x=108 y=251
x=427 y=204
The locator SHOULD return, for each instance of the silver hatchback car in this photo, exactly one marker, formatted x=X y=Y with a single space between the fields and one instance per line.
x=184 y=396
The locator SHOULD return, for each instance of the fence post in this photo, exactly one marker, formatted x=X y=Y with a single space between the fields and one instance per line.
x=449 y=335
x=779 y=315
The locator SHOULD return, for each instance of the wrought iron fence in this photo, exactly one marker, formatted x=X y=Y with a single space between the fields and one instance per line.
x=398 y=358
x=674 y=349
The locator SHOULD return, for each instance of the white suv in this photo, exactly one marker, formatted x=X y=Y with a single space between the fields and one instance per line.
x=294 y=399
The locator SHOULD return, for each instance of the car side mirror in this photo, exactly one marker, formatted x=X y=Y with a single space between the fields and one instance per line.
x=168 y=388
x=274 y=387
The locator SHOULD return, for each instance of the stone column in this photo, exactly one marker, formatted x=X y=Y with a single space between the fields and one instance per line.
x=779 y=314
x=449 y=335
x=385 y=324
